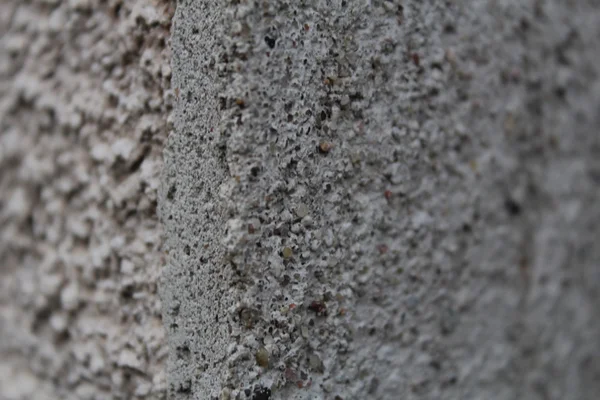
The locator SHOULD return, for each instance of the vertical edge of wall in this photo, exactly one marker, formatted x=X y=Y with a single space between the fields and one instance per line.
x=194 y=293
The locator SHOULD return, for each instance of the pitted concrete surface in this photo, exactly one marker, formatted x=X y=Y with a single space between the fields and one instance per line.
x=361 y=199
x=383 y=200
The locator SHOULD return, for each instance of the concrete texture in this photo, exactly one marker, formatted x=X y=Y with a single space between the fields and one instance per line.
x=84 y=104
x=361 y=199
x=383 y=200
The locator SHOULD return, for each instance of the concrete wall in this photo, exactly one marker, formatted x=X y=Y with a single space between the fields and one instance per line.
x=384 y=200
x=360 y=199
x=84 y=104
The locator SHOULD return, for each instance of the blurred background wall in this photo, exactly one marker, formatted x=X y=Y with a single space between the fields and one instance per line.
x=84 y=111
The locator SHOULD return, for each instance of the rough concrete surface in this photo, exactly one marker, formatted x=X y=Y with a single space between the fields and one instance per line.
x=360 y=199
x=84 y=104
x=383 y=200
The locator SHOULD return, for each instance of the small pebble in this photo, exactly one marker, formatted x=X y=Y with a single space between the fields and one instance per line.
x=225 y=394
x=262 y=357
x=287 y=253
x=325 y=147
x=315 y=363
x=319 y=307
x=248 y=317
x=302 y=210
x=304 y=331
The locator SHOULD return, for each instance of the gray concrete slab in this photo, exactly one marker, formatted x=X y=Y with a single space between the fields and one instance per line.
x=384 y=200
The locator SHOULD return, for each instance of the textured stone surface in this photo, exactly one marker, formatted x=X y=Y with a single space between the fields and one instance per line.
x=84 y=105
x=383 y=200
x=374 y=199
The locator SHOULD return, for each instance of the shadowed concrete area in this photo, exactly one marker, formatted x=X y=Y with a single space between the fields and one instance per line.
x=383 y=200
